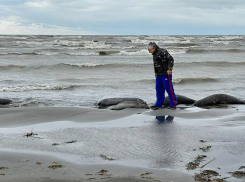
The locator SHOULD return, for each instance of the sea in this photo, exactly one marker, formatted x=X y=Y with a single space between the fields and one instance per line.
x=81 y=70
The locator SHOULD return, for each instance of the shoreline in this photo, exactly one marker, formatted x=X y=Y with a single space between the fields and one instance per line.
x=85 y=138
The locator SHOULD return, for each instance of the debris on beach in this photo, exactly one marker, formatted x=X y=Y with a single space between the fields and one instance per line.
x=146 y=173
x=89 y=179
x=192 y=165
x=55 y=144
x=73 y=141
x=106 y=158
x=195 y=163
x=208 y=175
x=30 y=134
x=55 y=166
x=203 y=141
x=88 y=174
x=38 y=163
x=205 y=149
x=238 y=174
x=2 y=174
x=102 y=172
x=3 y=168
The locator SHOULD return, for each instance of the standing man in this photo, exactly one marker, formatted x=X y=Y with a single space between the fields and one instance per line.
x=163 y=66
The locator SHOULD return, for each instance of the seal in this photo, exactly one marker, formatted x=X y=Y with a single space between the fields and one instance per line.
x=218 y=99
x=5 y=101
x=180 y=99
x=129 y=104
x=114 y=101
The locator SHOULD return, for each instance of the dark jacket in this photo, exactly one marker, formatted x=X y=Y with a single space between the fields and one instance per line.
x=163 y=61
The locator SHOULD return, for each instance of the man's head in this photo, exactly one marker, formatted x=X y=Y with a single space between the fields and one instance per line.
x=152 y=47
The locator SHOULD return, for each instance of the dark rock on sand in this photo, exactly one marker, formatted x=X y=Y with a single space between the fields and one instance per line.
x=180 y=99
x=114 y=101
x=103 y=53
x=129 y=104
x=218 y=99
x=5 y=101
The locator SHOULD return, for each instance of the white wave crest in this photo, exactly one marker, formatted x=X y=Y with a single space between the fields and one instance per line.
x=35 y=87
x=139 y=41
x=84 y=64
x=177 y=51
x=145 y=52
x=71 y=43
x=82 y=54
x=12 y=37
x=141 y=52
x=220 y=42
x=29 y=53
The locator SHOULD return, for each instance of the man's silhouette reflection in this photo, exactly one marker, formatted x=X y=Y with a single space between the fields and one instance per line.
x=164 y=120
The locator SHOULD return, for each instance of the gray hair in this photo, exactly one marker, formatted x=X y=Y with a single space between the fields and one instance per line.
x=152 y=45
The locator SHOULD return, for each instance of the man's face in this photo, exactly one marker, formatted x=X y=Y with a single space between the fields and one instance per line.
x=151 y=50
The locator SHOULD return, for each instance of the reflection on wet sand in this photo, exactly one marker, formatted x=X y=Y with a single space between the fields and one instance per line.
x=164 y=120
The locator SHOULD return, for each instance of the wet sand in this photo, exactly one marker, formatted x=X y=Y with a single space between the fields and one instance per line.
x=29 y=167
x=128 y=145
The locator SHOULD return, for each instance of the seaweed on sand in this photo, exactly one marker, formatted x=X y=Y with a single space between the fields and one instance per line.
x=238 y=174
x=196 y=162
x=30 y=134
x=208 y=175
x=55 y=166
x=205 y=149
x=106 y=158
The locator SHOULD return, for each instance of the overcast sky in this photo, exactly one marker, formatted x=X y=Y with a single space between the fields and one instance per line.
x=123 y=17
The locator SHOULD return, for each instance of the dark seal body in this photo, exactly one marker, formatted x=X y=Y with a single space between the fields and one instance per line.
x=114 y=101
x=218 y=99
x=5 y=101
x=181 y=100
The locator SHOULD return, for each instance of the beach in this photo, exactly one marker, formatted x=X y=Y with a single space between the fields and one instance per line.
x=54 y=131
x=90 y=144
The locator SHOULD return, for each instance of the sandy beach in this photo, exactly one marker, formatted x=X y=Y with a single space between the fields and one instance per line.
x=88 y=144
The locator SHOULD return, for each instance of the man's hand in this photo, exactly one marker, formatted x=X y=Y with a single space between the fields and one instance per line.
x=169 y=72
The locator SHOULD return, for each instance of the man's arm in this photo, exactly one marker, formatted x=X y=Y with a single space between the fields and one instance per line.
x=170 y=61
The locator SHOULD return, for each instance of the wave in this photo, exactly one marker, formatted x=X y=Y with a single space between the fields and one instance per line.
x=36 y=87
x=96 y=53
x=4 y=67
x=194 y=80
x=146 y=52
x=29 y=53
x=13 y=37
x=82 y=64
x=51 y=53
x=184 y=45
x=101 y=65
x=191 y=51
x=183 y=80
x=70 y=43
x=211 y=63
x=116 y=65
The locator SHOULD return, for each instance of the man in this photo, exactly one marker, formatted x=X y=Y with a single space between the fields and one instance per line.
x=163 y=66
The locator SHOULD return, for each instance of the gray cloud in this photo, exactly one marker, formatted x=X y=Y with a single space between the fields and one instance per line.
x=87 y=14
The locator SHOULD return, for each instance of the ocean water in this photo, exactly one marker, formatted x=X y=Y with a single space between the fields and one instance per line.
x=47 y=70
